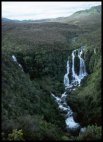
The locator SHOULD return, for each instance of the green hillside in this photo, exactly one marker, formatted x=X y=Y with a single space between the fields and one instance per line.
x=43 y=49
x=83 y=17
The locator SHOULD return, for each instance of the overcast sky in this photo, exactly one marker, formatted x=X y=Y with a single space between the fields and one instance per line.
x=42 y=10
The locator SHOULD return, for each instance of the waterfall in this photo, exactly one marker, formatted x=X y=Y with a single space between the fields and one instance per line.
x=82 y=71
x=15 y=60
x=66 y=79
x=75 y=77
x=71 y=85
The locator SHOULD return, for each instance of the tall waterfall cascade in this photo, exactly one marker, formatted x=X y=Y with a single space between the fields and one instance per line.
x=71 y=81
x=76 y=79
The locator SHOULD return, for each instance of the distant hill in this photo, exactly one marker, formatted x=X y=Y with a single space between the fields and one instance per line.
x=6 y=20
x=79 y=17
x=9 y=20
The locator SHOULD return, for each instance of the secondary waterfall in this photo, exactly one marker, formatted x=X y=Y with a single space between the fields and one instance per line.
x=71 y=81
x=15 y=60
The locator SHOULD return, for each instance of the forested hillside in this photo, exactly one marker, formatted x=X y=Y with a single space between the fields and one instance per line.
x=42 y=49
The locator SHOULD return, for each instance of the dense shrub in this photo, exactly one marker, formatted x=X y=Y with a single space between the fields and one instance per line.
x=16 y=135
x=93 y=132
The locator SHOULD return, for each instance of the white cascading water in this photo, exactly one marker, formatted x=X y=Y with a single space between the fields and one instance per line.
x=66 y=79
x=82 y=71
x=75 y=81
x=15 y=60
